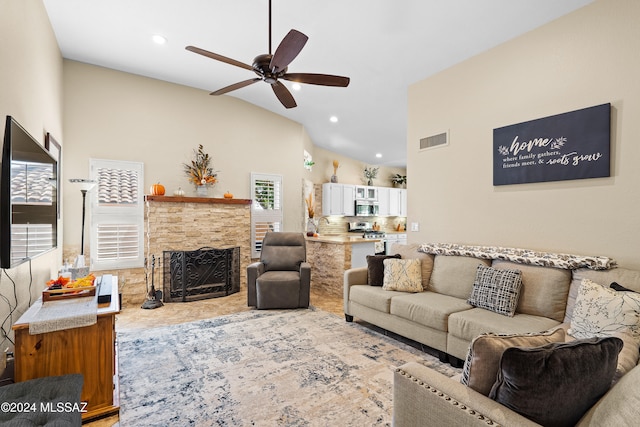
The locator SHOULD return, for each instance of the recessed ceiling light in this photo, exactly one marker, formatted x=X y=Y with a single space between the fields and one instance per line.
x=333 y=119
x=157 y=38
x=378 y=155
x=296 y=86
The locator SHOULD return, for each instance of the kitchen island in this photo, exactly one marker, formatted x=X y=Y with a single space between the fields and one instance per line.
x=331 y=255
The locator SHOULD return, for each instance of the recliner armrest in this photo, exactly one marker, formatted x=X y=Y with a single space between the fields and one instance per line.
x=254 y=270
x=305 y=271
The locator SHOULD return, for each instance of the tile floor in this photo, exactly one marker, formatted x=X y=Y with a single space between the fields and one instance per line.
x=134 y=317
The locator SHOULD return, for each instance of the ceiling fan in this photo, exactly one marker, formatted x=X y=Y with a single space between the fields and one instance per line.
x=270 y=68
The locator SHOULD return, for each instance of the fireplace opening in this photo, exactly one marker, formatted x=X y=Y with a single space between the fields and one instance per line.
x=200 y=274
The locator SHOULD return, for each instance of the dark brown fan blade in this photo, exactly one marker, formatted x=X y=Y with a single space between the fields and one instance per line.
x=317 y=79
x=287 y=50
x=283 y=95
x=219 y=57
x=235 y=86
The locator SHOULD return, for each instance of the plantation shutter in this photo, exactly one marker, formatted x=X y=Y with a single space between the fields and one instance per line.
x=266 y=209
x=117 y=215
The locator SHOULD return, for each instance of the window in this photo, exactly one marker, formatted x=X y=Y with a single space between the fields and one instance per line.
x=266 y=214
x=117 y=215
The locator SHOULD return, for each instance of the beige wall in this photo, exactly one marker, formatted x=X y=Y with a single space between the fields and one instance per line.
x=115 y=115
x=31 y=92
x=586 y=58
x=350 y=171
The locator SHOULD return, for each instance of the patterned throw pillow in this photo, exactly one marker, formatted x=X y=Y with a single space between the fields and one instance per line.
x=601 y=312
x=375 y=268
x=483 y=359
x=402 y=275
x=496 y=290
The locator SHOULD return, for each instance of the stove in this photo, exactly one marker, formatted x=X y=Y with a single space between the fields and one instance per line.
x=373 y=234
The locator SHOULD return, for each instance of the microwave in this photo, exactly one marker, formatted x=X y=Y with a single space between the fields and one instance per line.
x=366 y=208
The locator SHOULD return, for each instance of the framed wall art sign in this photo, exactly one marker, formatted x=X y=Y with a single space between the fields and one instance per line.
x=573 y=145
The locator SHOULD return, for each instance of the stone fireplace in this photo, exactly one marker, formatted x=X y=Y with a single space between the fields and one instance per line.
x=185 y=224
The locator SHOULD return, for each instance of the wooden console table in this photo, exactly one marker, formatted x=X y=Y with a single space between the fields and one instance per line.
x=89 y=350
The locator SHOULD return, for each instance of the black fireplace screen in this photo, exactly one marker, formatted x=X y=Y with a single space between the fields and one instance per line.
x=200 y=274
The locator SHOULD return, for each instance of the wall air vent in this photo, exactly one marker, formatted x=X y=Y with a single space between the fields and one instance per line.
x=434 y=141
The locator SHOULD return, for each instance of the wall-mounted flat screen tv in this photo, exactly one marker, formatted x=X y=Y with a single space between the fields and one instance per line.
x=28 y=197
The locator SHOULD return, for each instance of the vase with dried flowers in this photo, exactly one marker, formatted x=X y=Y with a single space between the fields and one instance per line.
x=311 y=224
x=370 y=173
x=200 y=172
x=336 y=165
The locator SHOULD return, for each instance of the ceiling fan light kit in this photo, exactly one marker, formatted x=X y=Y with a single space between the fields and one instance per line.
x=271 y=68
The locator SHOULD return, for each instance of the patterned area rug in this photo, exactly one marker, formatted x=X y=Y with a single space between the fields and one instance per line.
x=262 y=368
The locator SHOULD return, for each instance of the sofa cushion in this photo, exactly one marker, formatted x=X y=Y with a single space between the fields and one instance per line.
x=373 y=297
x=454 y=275
x=402 y=275
x=601 y=311
x=628 y=357
x=483 y=359
x=410 y=251
x=544 y=289
x=620 y=407
x=375 y=268
x=630 y=279
x=496 y=290
x=427 y=308
x=556 y=384
x=470 y=323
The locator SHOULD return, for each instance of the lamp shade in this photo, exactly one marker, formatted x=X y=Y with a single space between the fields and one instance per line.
x=83 y=183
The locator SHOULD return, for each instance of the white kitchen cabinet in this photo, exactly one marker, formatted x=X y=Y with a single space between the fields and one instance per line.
x=365 y=192
x=383 y=201
x=397 y=202
x=338 y=199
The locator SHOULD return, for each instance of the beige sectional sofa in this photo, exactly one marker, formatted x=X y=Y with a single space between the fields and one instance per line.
x=441 y=318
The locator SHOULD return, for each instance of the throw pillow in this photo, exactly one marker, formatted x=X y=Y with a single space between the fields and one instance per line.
x=617 y=287
x=483 y=358
x=496 y=290
x=402 y=275
x=375 y=268
x=601 y=312
x=556 y=384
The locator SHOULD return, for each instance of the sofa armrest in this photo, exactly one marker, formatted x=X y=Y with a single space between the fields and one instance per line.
x=424 y=397
x=253 y=272
x=353 y=276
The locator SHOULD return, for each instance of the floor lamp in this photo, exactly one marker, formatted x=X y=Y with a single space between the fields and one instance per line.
x=85 y=186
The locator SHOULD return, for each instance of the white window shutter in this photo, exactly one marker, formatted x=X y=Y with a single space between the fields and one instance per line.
x=117 y=215
x=266 y=209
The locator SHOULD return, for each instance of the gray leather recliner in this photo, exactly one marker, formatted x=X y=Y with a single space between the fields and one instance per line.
x=282 y=277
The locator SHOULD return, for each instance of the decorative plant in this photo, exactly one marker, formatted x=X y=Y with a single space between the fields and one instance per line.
x=310 y=208
x=370 y=173
x=336 y=165
x=399 y=179
x=199 y=170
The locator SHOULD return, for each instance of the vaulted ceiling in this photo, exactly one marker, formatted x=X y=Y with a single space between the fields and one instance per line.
x=382 y=45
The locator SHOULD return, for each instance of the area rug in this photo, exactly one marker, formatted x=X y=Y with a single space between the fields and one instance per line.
x=262 y=368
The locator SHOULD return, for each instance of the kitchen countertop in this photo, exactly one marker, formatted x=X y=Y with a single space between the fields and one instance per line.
x=341 y=239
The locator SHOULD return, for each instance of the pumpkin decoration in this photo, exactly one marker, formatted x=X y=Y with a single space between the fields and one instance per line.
x=228 y=195
x=179 y=192
x=157 y=189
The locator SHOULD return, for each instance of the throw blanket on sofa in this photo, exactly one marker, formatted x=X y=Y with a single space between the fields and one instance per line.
x=522 y=256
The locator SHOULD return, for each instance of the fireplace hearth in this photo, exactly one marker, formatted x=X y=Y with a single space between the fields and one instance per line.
x=200 y=274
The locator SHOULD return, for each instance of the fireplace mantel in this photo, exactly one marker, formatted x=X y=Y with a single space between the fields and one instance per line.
x=186 y=199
